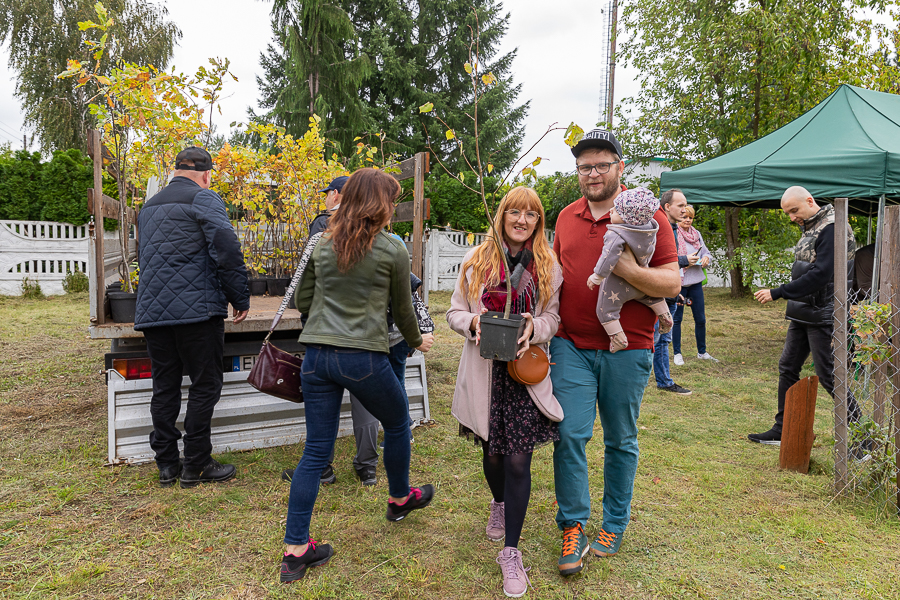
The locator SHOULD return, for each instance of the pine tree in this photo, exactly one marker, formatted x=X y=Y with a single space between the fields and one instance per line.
x=313 y=66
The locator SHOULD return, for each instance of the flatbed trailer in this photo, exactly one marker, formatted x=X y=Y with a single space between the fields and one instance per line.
x=244 y=418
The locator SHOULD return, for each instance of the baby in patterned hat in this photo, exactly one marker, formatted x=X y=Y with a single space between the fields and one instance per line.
x=631 y=224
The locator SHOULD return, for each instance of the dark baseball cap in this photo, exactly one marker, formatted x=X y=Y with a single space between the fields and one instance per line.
x=336 y=185
x=598 y=138
x=200 y=157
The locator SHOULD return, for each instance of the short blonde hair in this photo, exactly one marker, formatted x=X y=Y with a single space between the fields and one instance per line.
x=689 y=211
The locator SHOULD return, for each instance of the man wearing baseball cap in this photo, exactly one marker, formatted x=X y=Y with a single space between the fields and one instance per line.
x=588 y=378
x=332 y=202
x=191 y=268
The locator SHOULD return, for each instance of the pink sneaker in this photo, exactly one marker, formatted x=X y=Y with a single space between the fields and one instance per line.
x=496 y=527
x=515 y=576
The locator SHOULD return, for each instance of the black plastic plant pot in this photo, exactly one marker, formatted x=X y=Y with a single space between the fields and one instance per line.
x=277 y=285
x=499 y=336
x=122 y=305
x=257 y=286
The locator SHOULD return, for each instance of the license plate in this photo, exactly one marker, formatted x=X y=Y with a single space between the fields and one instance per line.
x=243 y=363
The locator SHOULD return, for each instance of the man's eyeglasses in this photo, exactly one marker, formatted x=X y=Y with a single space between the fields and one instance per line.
x=601 y=168
x=530 y=215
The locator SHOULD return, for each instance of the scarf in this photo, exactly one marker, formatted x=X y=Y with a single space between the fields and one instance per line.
x=522 y=280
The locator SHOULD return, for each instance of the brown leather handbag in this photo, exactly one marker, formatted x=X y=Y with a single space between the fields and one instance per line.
x=277 y=373
x=530 y=368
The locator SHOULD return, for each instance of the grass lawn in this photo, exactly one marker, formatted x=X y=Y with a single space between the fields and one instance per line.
x=712 y=516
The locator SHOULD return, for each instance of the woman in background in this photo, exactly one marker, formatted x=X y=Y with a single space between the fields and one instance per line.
x=690 y=242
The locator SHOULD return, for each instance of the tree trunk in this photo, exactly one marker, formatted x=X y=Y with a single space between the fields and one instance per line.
x=733 y=242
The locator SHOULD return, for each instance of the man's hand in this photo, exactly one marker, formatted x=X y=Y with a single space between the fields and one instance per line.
x=663 y=281
x=763 y=296
x=693 y=258
x=239 y=315
x=427 y=342
x=704 y=262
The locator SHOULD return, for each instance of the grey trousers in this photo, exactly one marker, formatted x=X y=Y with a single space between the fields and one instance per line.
x=365 y=430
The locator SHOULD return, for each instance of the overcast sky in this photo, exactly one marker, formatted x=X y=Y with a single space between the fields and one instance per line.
x=554 y=64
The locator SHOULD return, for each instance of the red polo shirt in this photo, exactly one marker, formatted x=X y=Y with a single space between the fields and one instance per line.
x=578 y=244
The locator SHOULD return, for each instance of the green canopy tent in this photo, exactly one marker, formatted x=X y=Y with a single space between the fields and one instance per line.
x=848 y=146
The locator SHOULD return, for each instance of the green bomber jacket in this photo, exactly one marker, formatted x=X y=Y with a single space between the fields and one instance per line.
x=348 y=309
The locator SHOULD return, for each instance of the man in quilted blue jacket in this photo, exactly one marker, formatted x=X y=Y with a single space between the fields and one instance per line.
x=191 y=269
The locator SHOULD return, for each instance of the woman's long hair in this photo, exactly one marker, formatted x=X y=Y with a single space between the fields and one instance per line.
x=367 y=203
x=487 y=258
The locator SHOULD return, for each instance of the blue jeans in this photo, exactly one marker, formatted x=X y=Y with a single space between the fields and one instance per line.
x=661 y=354
x=587 y=382
x=694 y=293
x=326 y=372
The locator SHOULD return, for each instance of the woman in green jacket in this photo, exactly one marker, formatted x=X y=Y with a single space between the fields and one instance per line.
x=355 y=270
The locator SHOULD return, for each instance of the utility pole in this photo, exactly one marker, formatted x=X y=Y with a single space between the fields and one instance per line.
x=25 y=142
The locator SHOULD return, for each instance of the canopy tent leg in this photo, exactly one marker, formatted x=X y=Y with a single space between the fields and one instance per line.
x=879 y=234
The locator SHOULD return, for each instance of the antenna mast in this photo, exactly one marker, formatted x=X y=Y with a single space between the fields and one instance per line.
x=608 y=76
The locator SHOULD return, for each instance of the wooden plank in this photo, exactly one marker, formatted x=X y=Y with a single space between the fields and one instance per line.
x=407 y=169
x=418 y=213
x=110 y=207
x=892 y=217
x=799 y=417
x=840 y=346
x=404 y=212
x=99 y=255
x=881 y=376
x=109 y=161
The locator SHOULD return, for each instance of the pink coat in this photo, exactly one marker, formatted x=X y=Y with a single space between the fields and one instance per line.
x=472 y=397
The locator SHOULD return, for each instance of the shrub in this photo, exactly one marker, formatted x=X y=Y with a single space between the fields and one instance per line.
x=75 y=282
x=31 y=289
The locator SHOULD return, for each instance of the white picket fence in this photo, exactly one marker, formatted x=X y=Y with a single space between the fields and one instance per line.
x=43 y=252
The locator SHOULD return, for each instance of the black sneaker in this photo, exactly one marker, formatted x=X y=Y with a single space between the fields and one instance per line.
x=771 y=437
x=213 y=472
x=294 y=567
x=327 y=476
x=169 y=475
x=367 y=475
x=676 y=389
x=418 y=498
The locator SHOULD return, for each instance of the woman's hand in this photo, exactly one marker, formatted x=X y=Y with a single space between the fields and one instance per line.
x=427 y=342
x=476 y=326
x=704 y=262
x=524 y=343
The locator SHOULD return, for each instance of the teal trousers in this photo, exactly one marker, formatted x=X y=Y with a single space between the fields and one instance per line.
x=588 y=382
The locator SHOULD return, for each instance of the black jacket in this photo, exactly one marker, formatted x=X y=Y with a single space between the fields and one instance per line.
x=190 y=258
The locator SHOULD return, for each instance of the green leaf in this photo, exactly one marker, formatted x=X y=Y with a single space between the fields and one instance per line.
x=573 y=134
x=85 y=25
x=426 y=108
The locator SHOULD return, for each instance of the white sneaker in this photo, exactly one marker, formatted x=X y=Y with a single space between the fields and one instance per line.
x=705 y=356
x=679 y=360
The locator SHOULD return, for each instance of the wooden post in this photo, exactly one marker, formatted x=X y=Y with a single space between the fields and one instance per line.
x=892 y=275
x=887 y=260
x=419 y=212
x=799 y=418
x=99 y=252
x=840 y=345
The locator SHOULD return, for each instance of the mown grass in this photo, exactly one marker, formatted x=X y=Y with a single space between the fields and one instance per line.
x=713 y=517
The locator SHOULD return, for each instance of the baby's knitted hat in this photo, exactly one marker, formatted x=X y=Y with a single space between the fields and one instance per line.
x=636 y=206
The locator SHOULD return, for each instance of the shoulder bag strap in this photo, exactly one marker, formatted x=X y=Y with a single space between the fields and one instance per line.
x=295 y=280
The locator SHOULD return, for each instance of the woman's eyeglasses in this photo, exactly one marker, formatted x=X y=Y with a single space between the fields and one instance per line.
x=530 y=215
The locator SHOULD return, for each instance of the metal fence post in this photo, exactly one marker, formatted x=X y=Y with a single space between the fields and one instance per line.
x=840 y=345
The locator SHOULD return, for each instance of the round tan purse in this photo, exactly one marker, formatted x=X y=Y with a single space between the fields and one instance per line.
x=530 y=368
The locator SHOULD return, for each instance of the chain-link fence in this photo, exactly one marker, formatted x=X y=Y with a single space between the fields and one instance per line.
x=867 y=366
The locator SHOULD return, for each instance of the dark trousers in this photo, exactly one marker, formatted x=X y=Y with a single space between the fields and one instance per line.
x=694 y=294
x=800 y=342
x=196 y=350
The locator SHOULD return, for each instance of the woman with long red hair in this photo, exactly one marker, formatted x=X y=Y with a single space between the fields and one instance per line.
x=506 y=418
x=354 y=272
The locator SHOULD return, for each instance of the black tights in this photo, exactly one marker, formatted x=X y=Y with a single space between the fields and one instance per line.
x=509 y=477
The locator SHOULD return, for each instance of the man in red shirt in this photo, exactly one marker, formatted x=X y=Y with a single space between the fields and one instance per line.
x=588 y=378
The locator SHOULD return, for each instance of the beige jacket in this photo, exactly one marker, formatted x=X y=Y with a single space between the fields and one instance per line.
x=472 y=397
